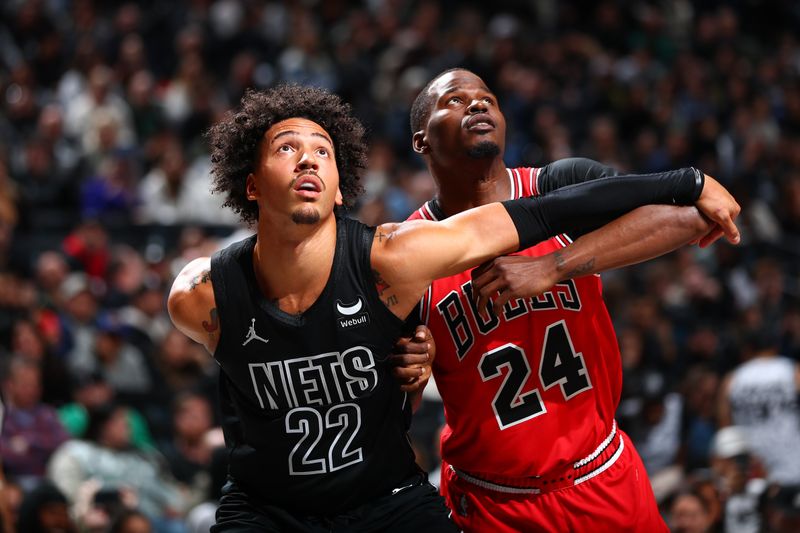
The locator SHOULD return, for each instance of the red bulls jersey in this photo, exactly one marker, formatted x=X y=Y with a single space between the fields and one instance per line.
x=532 y=389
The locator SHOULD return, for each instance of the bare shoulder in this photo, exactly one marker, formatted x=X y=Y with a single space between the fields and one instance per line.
x=191 y=303
x=193 y=281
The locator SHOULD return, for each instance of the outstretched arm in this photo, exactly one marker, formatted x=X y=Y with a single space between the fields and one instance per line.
x=471 y=237
x=718 y=205
x=640 y=235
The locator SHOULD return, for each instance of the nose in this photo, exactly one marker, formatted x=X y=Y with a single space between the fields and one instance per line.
x=477 y=105
x=307 y=161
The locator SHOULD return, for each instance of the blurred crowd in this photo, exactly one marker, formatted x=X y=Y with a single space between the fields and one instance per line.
x=109 y=420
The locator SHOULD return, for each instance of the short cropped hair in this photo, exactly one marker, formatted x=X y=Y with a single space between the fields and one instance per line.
x=423 y=103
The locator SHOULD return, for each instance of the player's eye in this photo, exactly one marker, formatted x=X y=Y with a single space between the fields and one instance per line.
x=454 y=100
x=285 y=148
x=488 y=100
x=323 y=152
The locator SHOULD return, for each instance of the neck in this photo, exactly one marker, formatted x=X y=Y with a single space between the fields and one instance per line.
x=470 y=183
x=292 y=264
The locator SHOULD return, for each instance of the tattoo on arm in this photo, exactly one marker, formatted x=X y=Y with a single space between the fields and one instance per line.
x=203 y=277
x=382 y=286
x=580 y=270
x=381 y=236
x=560 y=262
x=212 y=326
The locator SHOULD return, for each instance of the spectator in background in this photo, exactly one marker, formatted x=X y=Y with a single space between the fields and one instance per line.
x=106 y=456
x=739 y=478
x=131 y=521
x=87 y=246
x=188 y=452
x=31 y=430
x=29 y=342
x=92 y=392
x=98 y=108
x=110 y=194
x=761 y=397
x=781 y=512
x=79 y=306
x=689 y=513
x=148 y=115
x=44 y=510
x=122 y=365
x=11 y=496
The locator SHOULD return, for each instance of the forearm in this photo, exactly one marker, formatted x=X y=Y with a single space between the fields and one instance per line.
x=642 y=234
x=592 y=204
x=416 y=397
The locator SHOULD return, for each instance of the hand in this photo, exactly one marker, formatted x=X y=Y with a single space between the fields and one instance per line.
x=717 y=204
x=513 y=276
x=413 y=358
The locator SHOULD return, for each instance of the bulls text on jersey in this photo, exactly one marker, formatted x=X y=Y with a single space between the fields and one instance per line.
x=453 y=308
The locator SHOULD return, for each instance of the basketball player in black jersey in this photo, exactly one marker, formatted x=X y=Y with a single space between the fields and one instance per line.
x=301 y=316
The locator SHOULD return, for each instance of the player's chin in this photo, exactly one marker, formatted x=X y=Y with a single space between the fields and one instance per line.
x=483 y=148
x=306 y=214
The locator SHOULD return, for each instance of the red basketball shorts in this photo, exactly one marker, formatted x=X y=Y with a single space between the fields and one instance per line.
x=611 y=493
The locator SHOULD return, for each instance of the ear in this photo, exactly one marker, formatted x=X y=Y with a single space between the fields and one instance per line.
x=419 y=141
x=250 y=187
x=339 y=200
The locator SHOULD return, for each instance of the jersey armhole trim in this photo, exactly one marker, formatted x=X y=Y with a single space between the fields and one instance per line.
x=218 y=284
x=383 y=312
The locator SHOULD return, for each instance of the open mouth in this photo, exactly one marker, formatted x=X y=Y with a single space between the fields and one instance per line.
x=480 y=123
x=307 y=183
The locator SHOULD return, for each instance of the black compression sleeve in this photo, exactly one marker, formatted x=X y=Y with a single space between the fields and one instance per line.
x=597 y=202
x=570 y=171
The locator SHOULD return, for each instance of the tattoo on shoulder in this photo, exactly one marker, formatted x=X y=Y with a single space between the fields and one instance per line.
x=203 y=277
x=211 y=326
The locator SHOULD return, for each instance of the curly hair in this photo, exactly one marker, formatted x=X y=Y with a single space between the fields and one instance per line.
x=236 y=139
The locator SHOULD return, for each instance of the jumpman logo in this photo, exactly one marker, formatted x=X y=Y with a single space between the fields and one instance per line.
x=251 y=334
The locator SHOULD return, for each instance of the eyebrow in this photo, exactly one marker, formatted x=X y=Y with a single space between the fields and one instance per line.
x=292 y=132
x=458 y=88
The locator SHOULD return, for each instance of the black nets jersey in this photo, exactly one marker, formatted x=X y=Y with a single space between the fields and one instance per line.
x=313 y=418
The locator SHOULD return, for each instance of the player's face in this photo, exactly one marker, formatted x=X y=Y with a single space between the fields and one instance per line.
x=465 y=117
x=296 y=174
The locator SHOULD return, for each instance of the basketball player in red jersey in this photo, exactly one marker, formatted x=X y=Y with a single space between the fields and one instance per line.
x=530 y=385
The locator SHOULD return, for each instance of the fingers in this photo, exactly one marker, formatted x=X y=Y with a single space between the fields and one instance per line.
x=412 y=347
x=483 y=274
x=500 y=301
x=482 y=294
x=422 y=334
x=711 y=237
x=731 y=231
x=406 y=374
x=411 y=379
x=410 y=359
